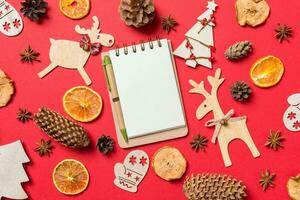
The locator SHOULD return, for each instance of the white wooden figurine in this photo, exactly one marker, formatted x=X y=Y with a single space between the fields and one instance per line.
x=291 y=117
x=11 y=23
x=69 y=54
x=227 y=128
x=134 y=168
x=12 y=172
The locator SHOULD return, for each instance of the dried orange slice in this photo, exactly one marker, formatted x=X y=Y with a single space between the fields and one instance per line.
x=75 y=9
x=70 y=177
x=82 y=103
x=267 y=71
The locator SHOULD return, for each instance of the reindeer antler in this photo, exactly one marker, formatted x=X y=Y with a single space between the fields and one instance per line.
x=215 y=81
x=96 y=23
x=198 y=88
x=80 y=30
x=95 y=28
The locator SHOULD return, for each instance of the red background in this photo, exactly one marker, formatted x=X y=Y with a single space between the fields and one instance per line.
x=264 y=110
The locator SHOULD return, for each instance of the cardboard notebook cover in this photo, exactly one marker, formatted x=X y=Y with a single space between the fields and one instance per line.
x=153 y=137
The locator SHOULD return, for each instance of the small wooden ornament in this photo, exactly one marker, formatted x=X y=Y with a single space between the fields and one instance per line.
x=227 y=128
x=198 y=45
x=11 y=23
x=12 y=173
x=68 y=54
x=134 y=168
x=291 y=117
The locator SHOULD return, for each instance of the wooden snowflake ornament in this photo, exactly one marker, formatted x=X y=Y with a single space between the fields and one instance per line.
x=198 y=45
x=12 y=173
x=227 y=127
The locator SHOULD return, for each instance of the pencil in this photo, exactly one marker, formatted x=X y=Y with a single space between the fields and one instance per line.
x=111 y=82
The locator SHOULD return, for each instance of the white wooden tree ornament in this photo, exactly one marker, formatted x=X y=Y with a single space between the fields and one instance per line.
x=12 y=173
x=291 y=117
x=227 y=128
x=68 y=54
x=131 y=173
x=11 y=23
x=199 y=40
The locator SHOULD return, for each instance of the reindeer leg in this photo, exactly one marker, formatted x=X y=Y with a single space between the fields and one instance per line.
x=249 y=141
x=224 y=151
x=85 y=76
x=47 y=70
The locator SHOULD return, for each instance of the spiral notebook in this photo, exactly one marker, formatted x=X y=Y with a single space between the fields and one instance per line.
x=148 y=91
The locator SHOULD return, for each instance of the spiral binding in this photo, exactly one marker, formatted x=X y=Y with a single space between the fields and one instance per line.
x=134 y=46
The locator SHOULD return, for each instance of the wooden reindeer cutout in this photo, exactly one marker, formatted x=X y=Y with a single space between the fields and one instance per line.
x=74 y=55
x=227 y=128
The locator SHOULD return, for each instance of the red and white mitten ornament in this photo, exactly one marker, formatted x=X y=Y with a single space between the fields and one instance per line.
x=134 y=168
x=11 y=23
x=291 y=117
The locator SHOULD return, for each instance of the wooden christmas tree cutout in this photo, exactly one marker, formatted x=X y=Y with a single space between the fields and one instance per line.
x=291 y=117
x=199 y=40
x=12 y=173
x=70 y=55
x=227 y=128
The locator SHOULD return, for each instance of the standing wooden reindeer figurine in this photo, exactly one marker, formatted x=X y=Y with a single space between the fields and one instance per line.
x=74 y=55
x=227 y=128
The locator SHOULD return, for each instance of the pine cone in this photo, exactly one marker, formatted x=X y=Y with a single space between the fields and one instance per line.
x=34 y=9
x=105 y=144
x=239 y=50
x=213 y=186
x=61 y=129
x=137 y=13
x=240 y=91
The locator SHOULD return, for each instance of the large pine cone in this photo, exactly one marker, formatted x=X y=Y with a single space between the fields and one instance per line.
x=214 y=187
x=240 y=91
x=61 y=129
x=137 y=13
x=239 y=50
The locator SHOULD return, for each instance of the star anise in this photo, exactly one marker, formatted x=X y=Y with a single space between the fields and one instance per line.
x=168 y=23
x=29 y=55
x=199 y=142
x=274 y=140
x=267 y=179
x=283 y=32
x=44 y=147
x=23 y=115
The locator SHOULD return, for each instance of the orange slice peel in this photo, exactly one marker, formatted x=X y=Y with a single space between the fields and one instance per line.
x=267 y=71
x=82 y=103
x=70 y=177
x=75 y=9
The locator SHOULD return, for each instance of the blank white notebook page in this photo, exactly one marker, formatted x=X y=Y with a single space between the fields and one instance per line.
x=148 y=91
